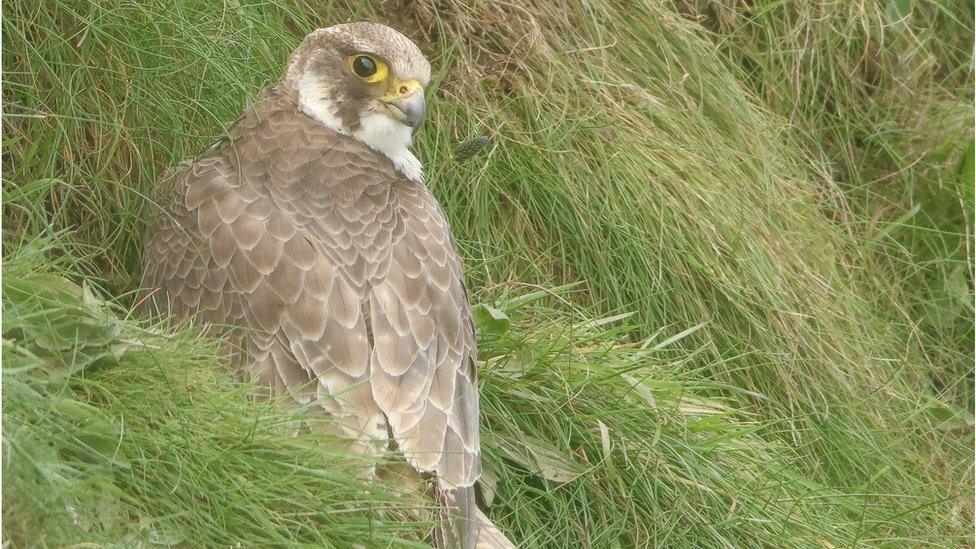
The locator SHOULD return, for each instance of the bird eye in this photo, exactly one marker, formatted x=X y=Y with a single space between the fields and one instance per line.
x=369 y=68
x=363 y=66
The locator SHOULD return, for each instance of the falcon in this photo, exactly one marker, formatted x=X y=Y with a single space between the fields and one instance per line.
x=309 y=237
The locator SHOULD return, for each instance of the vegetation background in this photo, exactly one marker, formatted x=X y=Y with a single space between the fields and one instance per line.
x=722 y=252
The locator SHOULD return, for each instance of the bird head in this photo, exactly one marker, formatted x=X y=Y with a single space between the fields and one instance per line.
x=363 y=80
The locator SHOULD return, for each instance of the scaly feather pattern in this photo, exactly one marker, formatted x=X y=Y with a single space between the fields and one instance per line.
x=339 y=279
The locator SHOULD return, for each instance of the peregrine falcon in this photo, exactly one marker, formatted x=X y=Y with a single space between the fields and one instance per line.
x=309 y=235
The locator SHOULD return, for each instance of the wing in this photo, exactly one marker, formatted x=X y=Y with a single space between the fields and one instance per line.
x=179 y=280
x=423 y=358
x=236 y=256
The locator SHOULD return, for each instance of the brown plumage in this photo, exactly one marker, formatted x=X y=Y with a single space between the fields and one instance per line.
x=334 y=272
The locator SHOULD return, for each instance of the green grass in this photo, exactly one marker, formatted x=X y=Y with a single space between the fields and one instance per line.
x=777 y=195
x=882 y=92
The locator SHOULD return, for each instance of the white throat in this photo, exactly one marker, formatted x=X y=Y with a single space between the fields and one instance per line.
x=379 y=132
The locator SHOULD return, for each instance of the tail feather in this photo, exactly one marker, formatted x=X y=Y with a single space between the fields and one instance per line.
x=459 y=521
x=463 y=525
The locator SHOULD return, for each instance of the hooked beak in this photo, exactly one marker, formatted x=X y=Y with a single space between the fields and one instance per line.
x=407 y=104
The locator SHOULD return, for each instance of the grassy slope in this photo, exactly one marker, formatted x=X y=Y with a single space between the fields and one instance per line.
x=627 y=154
x=883 y=92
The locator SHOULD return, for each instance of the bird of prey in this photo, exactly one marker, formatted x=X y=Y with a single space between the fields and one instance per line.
x=309 y=232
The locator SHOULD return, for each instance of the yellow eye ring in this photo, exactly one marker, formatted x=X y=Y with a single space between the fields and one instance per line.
x=369 y=68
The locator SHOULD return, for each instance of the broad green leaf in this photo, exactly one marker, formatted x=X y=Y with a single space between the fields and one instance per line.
x=489 y=320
